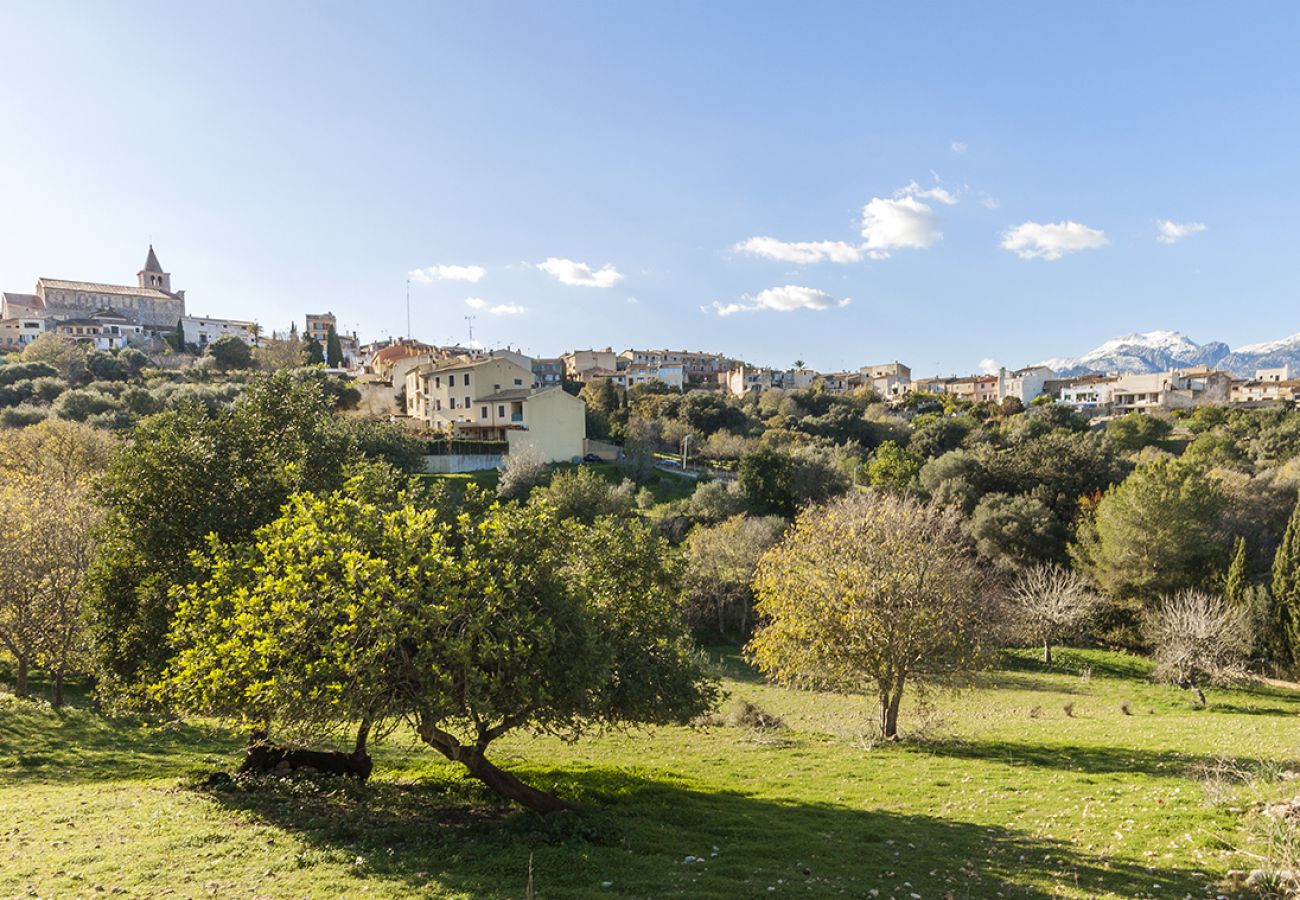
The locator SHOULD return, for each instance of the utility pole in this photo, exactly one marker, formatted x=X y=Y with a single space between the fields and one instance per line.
x=470 y=320
x=408 y=308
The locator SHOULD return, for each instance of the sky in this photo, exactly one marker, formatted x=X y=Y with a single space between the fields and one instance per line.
x=952 y=185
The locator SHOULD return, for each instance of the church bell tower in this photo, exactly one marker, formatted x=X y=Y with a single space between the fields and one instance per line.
x=153 y=276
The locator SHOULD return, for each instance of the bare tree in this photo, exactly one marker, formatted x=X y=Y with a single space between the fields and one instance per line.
x=1199 y=639
x=1050 y=602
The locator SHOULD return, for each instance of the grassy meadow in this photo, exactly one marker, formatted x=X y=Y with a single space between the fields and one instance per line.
x=998 y=792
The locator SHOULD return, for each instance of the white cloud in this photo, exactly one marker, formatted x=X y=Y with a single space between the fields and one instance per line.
x=430 y=274
x=943 y=195
x=566 y=271
x=990 y=202
x=633 y=300
x=801 y=252
x=780 y=299
x=1030 y=240
x=959 y=147
x=901 y=222
x=500 y=309
x=989 y=366
x=1172 y=232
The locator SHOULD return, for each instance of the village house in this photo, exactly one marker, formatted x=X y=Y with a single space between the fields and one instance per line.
x=1023 y=384
x=890 y=380
x=579 y=364
x=200 y=331
x=699 y=369
x=492 y=398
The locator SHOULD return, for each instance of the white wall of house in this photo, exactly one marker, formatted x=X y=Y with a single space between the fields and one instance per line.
x=201 y=331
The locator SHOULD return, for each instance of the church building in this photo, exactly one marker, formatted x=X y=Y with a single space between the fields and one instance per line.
x=151 y=303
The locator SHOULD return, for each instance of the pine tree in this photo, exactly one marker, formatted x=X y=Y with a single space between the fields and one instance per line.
x=178 y=339
x=315 y=355
x=333 y=349
x=1284 y=624
x=1237 y=581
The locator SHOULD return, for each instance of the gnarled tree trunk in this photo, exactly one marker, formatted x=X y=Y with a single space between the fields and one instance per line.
x=20 y=685
x=501 y=782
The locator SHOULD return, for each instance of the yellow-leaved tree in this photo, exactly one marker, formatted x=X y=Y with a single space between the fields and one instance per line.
x=870 y=593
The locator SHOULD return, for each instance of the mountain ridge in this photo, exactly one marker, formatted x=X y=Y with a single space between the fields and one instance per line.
x=1162 y=350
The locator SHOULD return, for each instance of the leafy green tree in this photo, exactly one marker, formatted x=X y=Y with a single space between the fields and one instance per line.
x=872 y=593
x=230 y=352
x=778 y=482
x=1134 y=431
x=1014 y=532
x=1283 y=643
x=342 y=612
x=59 y=351
x=1156 y=533
x=893 y=468
x=185 y=475
x=312 y=348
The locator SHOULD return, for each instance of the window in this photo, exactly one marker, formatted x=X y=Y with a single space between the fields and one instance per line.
x=518 y=382
x=501 y=412
x=437 y=404
x=437 y=381
x=453 y=402
x=467 y=402
x=483 y=412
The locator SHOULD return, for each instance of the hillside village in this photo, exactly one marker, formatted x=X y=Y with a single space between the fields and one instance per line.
x=502 y=397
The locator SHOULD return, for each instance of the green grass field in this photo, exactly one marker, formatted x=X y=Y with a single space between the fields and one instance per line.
x=1002 y=794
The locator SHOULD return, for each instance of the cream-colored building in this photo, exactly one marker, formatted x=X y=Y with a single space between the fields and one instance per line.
x=578 y=363
x=493 y=398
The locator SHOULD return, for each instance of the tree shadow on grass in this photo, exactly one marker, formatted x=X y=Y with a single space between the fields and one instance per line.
x=645 y=836
x=40 y=744
x=1093 y=760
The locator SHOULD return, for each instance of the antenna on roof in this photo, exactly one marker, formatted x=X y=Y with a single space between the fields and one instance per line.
x=408 y=307
x=470 y=320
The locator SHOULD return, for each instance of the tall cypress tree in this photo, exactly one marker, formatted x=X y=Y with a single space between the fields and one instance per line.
x=1284 y=625
x=333 y=349
x=315 y=354
x=1237 y=582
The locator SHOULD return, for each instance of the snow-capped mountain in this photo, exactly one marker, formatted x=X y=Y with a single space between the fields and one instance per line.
x=1155 y=351
x=1159 y=351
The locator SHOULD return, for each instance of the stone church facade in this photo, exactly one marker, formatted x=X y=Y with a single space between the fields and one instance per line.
x=151 y=303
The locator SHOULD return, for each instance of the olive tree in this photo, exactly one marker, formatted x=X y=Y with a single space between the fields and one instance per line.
x=1199 y=639
x=342 y=612
x=871 y=593
x=1050 y=602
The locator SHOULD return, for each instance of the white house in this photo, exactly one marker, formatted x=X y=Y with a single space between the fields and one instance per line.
x=203 y=330
x=1023 y=384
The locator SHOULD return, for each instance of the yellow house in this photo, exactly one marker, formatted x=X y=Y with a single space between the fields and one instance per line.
x=554 y=426
x=494 y=399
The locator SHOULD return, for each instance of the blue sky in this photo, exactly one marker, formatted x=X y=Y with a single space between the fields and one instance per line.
x=286 y=158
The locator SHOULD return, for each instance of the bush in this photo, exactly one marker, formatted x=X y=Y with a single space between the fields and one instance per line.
x=22 y=416
x=522 y=472
x=584 y=495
